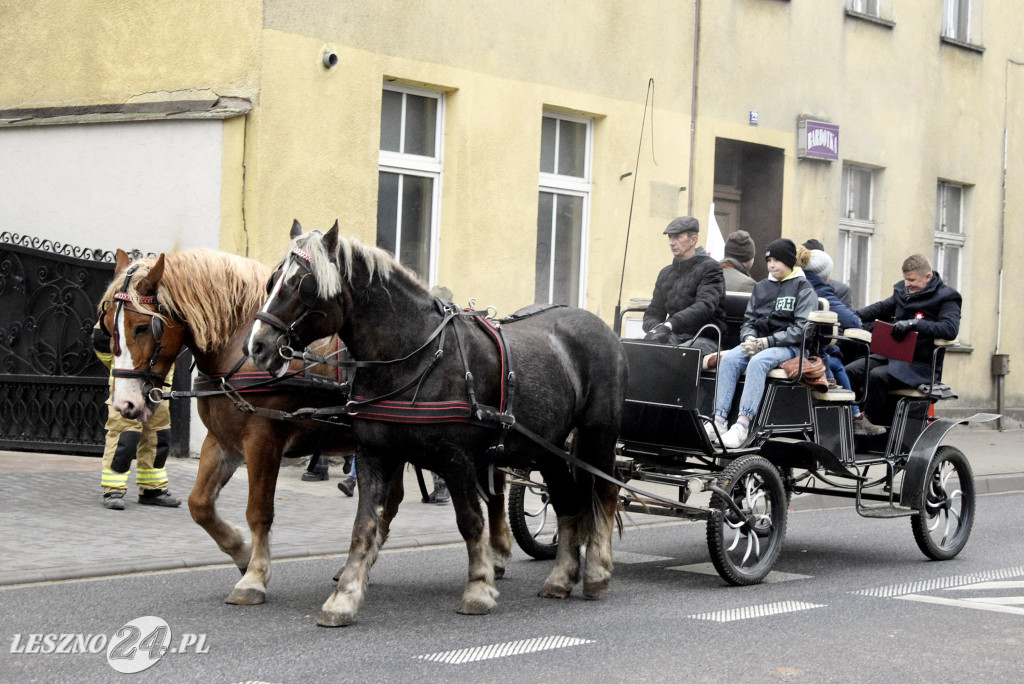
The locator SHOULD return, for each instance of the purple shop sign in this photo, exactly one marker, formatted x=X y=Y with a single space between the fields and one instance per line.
x=817 y=140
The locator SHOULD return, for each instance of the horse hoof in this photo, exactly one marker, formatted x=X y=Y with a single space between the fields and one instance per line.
x=333 y=619
x=246 y=597
x=592 y=590
x=552 y=591
x=475 y=607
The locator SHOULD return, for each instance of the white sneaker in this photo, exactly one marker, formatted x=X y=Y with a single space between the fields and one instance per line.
x=735 y=437
x=710 y=428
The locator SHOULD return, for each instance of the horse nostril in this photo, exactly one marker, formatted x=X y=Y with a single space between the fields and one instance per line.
x=255 y=349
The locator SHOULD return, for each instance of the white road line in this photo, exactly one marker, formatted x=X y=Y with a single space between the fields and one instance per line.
x=896 y=590
x=749 y=612
x=960 y=603
x=509 y=648
x=628 y=558
x=1015 y=584
x=773 y=577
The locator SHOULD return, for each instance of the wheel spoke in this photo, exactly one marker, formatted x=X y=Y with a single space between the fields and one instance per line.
x=735 y=540
x=750 y=539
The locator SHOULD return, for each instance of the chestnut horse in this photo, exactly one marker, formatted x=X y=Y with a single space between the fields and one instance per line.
x=432 y=385
x=205 y=301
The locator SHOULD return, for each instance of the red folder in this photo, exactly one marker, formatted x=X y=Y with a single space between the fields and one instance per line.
x=883 y=344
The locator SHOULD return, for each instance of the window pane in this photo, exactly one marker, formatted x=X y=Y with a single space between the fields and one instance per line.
x=542 y=282
x=568 y=232
x=860 y=194
x=572 y=148
x=859 y=268
x=387 y=211
x=417 y=205
x=547 y=144
x=953 y=195
x=391 y=121
x=949 y=266
x=420 y=125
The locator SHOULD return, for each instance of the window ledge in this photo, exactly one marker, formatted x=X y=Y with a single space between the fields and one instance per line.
x=870 y=18
x=980 y=49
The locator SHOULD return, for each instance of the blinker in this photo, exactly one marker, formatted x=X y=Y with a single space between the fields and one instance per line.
x=308 y=290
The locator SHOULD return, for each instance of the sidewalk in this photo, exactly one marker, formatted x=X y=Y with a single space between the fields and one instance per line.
x=54 y=526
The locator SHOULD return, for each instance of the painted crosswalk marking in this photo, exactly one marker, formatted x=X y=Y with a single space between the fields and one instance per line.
x=509 y=648
x=749 y=612
x=629 y=558
x=895 y=590
x=774 y=577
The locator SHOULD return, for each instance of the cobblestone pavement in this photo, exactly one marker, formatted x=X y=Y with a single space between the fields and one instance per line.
x=54 y=526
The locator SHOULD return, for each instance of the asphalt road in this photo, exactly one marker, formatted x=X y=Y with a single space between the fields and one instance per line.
x=851 y=600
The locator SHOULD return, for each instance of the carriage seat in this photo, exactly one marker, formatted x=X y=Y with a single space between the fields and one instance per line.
x=915 y=392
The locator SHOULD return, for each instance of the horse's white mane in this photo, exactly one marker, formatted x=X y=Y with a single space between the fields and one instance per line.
x=329 y=277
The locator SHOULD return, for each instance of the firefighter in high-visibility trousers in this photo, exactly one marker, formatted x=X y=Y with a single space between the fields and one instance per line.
x=149 y=443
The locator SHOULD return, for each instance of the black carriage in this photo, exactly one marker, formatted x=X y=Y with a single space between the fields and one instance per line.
x=802 y=442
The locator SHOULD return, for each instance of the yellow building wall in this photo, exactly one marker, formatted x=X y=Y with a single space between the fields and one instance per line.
x=314 y=139
x=84 y=52
x=917 y=109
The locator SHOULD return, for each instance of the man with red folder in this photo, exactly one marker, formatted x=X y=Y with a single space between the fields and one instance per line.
x=920 y=303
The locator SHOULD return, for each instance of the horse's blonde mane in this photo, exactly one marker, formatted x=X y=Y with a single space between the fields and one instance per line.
x=329 y=277
x=213 y=292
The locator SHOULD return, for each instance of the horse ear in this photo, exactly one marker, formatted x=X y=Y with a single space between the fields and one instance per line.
x=331 y=238
x=152 y=279
x=296 y=229
x=122 y=261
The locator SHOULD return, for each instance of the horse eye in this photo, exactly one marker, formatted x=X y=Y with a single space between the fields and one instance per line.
x=141 y=329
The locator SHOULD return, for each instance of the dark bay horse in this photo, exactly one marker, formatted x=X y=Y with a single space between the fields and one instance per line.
x=206 y=300
x=568 y=371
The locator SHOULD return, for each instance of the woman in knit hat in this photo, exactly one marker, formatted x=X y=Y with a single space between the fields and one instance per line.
x=817 y=267
x=739 y=257
x=772 y=333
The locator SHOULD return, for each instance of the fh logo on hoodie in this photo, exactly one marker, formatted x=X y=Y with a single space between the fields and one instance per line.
x=785 y=304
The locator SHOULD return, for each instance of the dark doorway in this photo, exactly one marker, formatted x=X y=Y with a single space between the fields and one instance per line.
x=748 y=193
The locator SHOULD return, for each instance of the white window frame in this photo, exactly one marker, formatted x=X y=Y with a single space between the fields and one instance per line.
x=418 y=165
x=850 y=227
x=953 y=13
x=944 y=239
x=576 y=186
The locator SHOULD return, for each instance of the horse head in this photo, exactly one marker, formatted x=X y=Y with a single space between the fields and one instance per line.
x=145 y=340
x=305 y=299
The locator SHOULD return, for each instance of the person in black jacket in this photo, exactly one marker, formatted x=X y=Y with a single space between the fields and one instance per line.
x=920 y=302
x=688 y=294
x=772 y=332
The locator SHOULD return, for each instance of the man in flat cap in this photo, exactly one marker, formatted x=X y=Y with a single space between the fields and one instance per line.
x=688 y=294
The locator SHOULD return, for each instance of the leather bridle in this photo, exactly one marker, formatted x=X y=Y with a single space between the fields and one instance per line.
x=122 y=300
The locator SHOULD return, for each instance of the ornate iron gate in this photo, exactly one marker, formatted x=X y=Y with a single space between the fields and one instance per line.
x=52 y=387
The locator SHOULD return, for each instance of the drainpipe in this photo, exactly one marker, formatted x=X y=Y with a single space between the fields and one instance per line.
x=693 y=105
x=1001 y=362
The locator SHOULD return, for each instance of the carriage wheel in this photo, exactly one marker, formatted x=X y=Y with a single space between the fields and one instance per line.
x=744 y=547
x=946 y=507
x=532 y=518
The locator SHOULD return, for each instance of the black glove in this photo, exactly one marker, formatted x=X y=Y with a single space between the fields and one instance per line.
x=901 y=329
x=660 y=333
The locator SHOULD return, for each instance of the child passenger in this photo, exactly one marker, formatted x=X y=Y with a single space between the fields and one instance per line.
x=772 y=333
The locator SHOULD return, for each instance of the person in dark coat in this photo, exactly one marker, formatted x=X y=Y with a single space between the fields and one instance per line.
x=688 y=294
x=842 y=290
x=739 y=257
x=772 y=332
x=922 y=303
x=817 y=267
